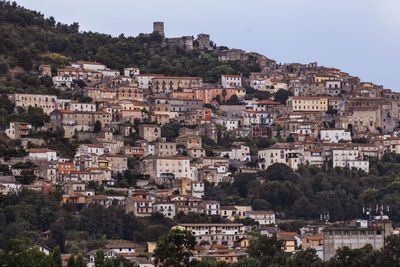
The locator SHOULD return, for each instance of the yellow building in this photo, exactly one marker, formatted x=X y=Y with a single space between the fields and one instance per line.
x=321 y=78
x=308 y=103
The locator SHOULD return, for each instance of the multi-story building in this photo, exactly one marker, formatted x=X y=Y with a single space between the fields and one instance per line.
x=335 y=135
x=308 y=103
x=355 y=237
x=165 y=149
x=140 y=207
x=222 y=234
x=262 y=217
x=18 y=130
x=231 y=81
x=170 y=84
x=150 y=132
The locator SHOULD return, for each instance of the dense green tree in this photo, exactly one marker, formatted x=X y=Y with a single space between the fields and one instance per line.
x=56 y=255
x=97 y=126
x=99 y=258
x=71 y=261
x=282 y=95
x=268 y=250
x=175 y=248
x=80 y=261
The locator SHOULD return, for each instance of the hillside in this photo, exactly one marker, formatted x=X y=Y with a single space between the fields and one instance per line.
x=28 y=39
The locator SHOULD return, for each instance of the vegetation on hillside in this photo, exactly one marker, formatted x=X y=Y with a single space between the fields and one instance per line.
x=29 y=39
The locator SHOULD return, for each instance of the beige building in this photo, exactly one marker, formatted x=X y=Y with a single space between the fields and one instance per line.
x=171 y=84
x=18 y=130
x=156 y=167
x=150 y=132
x=165 y=149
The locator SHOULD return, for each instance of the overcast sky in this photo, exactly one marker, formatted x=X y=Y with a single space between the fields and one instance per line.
x=361 y=37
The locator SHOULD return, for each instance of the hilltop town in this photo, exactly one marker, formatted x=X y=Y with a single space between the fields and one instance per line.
x=247 y=155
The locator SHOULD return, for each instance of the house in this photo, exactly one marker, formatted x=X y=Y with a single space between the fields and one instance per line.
x=290 y=241
x=335 y=135
x=42 y=154
x=354 y=237
x=215 y=233
x=87 y=149
x=18 y=130
x=239 y=153
x=262 y=217
x=142 y=262
x=211 y=207
x=8 y=184
x=165 y=208
x=228 y=212
x=165 y=149
x=140 y=207
x=308 y=103
x=150 y=132
x=231 y=81
x=179 y=167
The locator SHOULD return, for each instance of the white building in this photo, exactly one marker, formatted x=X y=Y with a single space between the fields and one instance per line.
x=251 y=117
x=335 y=135
x=95 y=66
x=165 y=208
x=350 y=158
x=62 y=81
x=198 y=189
x=240 y=153
x=263 y=217
x=42 y=154
x=131 y=72
x=86 y=149
x=88 y=107
x=211 y=207
x=231 y=81
x=333 y=87
x=230 y=123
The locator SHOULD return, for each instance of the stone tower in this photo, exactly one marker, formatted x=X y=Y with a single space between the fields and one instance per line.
x=159 y=27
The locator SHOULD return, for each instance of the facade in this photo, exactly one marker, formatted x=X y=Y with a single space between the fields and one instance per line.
x=351 y=236
x=222 y=234
x=150 y=132
x=231 y=81
x=18 y=130
x=262 y=217
x=308 y=103
x=335 y=135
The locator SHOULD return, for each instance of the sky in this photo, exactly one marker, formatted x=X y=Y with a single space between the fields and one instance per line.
x=360 y=37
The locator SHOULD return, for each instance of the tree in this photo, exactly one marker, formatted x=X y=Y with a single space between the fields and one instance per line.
x=175 y=248
x=99 y=258
x=108 y=263
x=80 y=262
x=233 y=100
x=97 y=126
x=56 y=255
x=282 y=96
x=268 y=250
x=57 y=234
x=224 y=93
x=71 y=261
x=307 y=257
x=390 y=252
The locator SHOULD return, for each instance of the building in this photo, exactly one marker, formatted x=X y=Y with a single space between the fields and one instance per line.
x=18 y=130
x=164 y=84
x=308 y=103
x=42 y=154
x=231 y=81
x=165 y=208
x=262 y=217
x=140 y=207
x=215 y=233
x=335 y=135
x=46 y=102
x=150 y=132
x=335 y=237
